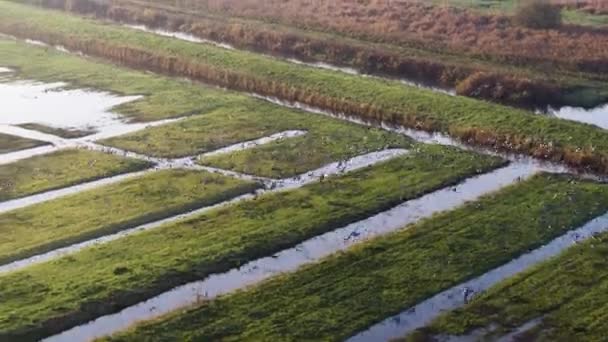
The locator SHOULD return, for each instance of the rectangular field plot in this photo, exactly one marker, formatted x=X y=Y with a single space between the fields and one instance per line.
x=326 y=140
x=10 y=143
x=350 y=291
x=49 y=225
x=108 y=277
x=61 y=169
x=563 y=299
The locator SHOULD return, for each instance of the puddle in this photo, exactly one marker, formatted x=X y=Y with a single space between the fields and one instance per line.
x=596 y=116
x=309 y=251
x=52 y=105
x=425 y=312
x=348 y=166
x=255 y=143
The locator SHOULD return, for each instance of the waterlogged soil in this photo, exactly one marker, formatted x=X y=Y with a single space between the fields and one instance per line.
x=11 y=143
x=52 y=105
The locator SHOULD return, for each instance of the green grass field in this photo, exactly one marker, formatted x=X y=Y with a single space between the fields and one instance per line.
x=477 y=121
x=61 y=169
x=348 y=292
x=568 y=294
x=327 y=140
x=10 y=143
x=67 y=220
x=85 y=285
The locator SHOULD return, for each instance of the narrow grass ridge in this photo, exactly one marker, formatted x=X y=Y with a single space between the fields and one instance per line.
x=11 y=143
x=43 y=227
x=473 y=121
x=350 y=291
x=61 y=169
x=45 y=299
x=567 y=294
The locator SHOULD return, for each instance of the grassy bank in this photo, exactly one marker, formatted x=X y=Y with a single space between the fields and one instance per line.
x=348 y=292
x=86 y=285
x=327 y=140
x=59 y=170
x=474 y=121
x=10 y=143
x=49 y=225
x=566 y=294
x=60 y=132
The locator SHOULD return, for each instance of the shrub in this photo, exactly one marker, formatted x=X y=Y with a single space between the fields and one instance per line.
x=538 y=14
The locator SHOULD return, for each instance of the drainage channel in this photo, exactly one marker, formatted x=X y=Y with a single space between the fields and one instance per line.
x=309 y=251
x=159 y=163
x=425 y=312
x=350 y=165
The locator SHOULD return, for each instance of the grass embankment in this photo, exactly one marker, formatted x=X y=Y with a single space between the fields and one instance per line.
x=567 y=293
x=326 y=140
x=527 y=85
x=60 y=132
x=471 y=120
x=61 y=169
x=49 y=225
x=86 y=285
x=11 y=143
x=350 y=291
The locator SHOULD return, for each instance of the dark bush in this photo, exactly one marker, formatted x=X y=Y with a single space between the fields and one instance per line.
x=538 y=14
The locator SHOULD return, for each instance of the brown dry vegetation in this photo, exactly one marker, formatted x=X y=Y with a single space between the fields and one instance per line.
x=507 y=89
x=432 y=27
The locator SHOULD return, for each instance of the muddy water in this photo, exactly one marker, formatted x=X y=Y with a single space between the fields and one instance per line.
x=424 y=312
x=52 y=105
x=278 y=185
x=306 y=252
x=596 y=116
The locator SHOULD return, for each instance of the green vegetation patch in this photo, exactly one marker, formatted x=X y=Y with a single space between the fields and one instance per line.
x=49 y=225
x=61 y=169
x=89 y=283
x=347 y=292
x=327 y=140
x=370 y=98
x=567 y=295
x=11 y=143
x=60 y=132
